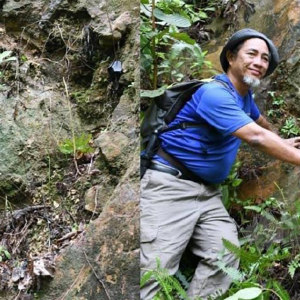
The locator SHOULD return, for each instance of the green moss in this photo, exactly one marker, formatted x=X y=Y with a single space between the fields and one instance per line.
x=11 y=189
x=121 y=6
x=88 y=105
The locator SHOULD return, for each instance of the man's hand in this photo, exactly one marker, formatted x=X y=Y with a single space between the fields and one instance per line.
x=294 y=142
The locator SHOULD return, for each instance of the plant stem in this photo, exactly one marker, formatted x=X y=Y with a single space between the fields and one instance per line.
x=153 y=50
x=71 y=125
x=272 y=291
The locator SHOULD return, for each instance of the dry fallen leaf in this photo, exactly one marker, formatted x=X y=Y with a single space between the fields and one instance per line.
x=43 y=268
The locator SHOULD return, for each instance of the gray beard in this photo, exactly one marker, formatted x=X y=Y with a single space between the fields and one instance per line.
x=251 y=82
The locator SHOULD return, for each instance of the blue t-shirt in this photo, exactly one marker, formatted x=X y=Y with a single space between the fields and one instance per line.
x=210 y=151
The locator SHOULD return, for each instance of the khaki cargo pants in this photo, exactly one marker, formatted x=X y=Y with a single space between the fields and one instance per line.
x=174 y=212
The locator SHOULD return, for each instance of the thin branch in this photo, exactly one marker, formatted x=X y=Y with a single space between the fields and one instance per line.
x=72 y=285
x=102 y=283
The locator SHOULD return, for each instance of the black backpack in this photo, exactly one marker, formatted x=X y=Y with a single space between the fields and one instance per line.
x=162 y=111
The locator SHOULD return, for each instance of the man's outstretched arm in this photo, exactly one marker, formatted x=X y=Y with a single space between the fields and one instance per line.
x=269 y=143
x=262 y=121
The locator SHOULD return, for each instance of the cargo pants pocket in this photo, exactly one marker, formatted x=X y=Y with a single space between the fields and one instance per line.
x=148 y=223
x=148 y=217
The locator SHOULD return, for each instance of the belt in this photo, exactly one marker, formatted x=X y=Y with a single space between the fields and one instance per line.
x=166 y=169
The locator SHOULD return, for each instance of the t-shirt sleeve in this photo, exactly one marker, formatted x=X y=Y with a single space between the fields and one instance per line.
x=218 y=107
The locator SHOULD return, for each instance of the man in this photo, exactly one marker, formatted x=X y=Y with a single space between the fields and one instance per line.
x=175 y=212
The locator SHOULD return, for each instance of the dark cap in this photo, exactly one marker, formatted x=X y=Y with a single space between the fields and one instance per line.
x=243 y=35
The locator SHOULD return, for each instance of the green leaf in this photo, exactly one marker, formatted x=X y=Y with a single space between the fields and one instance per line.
x=145 y=1
x=153 y=93
x=173 y=19
x=81 y=144
x=181 y=36
x=10 y=59
x=4 y=55
x=210 y=9
x=182 y=279
x=282 y=293
x=146 y=9
x=179 y=47
x=249 y=293
x=162 y=34
x=146 y=277
x=202 y=15
x=237 y=182
x=24 y=58
x=240 y=252
x=66 y=147
x=7 y=254
x=234 y=274
x=253 y=207
x=246 y=294
x=268 y=291
x=269 y=216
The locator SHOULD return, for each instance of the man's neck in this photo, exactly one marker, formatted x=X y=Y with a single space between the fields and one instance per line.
x=241 y=87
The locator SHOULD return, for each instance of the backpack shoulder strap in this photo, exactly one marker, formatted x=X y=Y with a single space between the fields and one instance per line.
x=179 y=104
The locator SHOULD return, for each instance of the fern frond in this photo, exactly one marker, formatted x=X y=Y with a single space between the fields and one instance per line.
x=177 y=287
x=182 y=279
x=294 y=265
x=168 y=284
x=146 y=277
x=234 y=274
x=242 y=254
x=282 y=293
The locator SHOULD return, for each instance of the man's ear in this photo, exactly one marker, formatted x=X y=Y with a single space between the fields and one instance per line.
x=229 y=56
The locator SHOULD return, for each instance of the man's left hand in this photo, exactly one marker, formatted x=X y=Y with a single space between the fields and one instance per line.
x=294 y=142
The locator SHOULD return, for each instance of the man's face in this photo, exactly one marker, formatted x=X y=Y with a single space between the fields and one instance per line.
x=251 y=62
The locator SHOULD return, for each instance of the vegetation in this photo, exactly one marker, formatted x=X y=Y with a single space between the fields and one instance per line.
x=5 y=57
x=4 y=254
x=80 y=145
x=168 y=53
x=170 y=286
x=51 y=177
x=278 y=105
x=290 y=127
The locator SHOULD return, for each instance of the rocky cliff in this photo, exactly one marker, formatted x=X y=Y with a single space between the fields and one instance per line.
x=69 y=149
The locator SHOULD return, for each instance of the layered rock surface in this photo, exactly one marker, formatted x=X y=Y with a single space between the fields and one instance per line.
x=57 y=88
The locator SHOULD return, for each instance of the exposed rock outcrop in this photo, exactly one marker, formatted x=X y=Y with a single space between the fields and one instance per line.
x=57 y=94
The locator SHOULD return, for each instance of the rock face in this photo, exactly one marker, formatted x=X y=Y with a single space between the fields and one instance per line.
x=57 y=89
x=103 y=264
